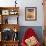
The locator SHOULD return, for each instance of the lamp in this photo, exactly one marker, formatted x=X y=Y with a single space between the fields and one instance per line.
x=15 y=35
x=15 y=30
x=15 y=3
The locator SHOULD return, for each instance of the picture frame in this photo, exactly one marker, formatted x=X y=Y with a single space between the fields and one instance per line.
x=31 y=13
x=5 y=12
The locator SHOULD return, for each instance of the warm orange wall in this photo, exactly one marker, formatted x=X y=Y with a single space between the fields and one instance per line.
x=44 y=5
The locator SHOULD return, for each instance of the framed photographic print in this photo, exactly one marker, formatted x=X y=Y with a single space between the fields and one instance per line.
x=5 y=12
x=31 y=13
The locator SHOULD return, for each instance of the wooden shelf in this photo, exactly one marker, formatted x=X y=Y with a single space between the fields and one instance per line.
x=2 y=8
x=8 y=10
x=9 y=43
x=10 y=26
x=4 y=13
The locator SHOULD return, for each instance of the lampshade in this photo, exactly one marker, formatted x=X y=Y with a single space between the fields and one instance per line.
x=15 y=30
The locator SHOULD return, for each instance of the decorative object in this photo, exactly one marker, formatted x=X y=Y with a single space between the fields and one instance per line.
x=31 y=41
x=15 y=34
x=31 y=13
x=11 y=12
x=6 y=21
x=7 y=34
x=5 y=12
x=30 y=38
x=15 y=3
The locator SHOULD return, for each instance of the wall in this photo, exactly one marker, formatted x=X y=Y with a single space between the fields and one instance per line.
x=31 y=3
x=26 y=3
x=37 y=30
x=44 y=4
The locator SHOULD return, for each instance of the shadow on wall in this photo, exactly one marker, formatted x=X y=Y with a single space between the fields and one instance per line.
x=37 y=29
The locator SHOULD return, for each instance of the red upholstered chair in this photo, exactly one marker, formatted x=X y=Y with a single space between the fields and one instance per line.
x=28 y=35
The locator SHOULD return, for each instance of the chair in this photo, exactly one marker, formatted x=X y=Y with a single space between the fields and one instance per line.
x=28 y=36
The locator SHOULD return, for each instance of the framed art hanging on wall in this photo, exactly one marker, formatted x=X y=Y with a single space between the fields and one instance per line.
x=30 y=13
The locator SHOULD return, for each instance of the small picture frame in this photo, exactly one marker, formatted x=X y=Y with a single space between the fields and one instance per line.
x=30 y=13
x=5 y=12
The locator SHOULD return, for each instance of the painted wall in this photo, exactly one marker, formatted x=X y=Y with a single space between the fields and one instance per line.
x=31 y=3
x=26 y=3
x=37 y=29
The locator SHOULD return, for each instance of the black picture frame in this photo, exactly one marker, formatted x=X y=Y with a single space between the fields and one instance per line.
x=30 y=13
